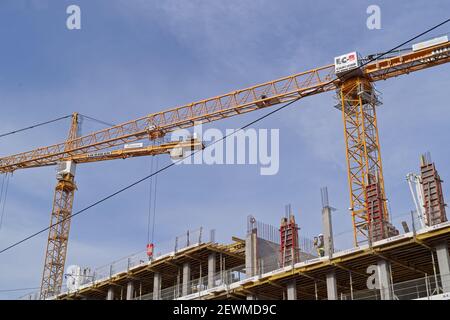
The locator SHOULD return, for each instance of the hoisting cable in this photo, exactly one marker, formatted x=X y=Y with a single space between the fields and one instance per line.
x=3 y=199
x=83 y=117
x=268 y=114
x=3 y=184
x=1 y=192
x=34 y=126
x=154 y=201
x=97 y=120
x=152 y=207
x=150 y=201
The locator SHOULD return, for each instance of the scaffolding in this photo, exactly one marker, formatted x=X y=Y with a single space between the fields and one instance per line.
x=289 y=249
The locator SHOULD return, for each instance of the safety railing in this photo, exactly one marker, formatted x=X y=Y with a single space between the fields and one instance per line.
x=425 y=287
x=35 y=295
x=190 y=238
x=105 y=272
x=200 y=285
x=148 y=296
x=420 y=288
x=405 y=223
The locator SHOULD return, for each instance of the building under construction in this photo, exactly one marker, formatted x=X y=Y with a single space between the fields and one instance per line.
x=278 y=263
x=271 y=262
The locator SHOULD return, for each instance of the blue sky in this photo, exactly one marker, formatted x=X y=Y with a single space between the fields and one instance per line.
x=136 y=57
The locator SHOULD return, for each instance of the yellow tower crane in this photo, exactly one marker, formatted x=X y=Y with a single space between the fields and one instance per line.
x=353 y=82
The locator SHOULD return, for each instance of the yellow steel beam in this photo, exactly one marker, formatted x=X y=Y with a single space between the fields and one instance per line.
x=158 y=124
x=408 y=62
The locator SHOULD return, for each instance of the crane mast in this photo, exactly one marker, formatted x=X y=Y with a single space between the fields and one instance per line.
x=58 y=235
x=370 y=217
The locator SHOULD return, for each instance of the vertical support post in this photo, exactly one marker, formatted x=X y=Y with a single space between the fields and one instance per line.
x=224 y=268
x=327 y=224
x=291 y=289
x=444 y=265
x=436 y=284
x=332 y=292
x=316 y=293
x=261 y=267
x=384 y=279
x=186 y=279
x=370 y=235
x=212 y=263
x=110 y=295
x=130 y=290
x=200 y=280
x=177 y=292
x=157 y=286
x=250 y=254
x=351 y=286
x=222 y=272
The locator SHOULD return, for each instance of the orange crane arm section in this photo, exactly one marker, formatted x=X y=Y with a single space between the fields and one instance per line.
x=408 y=62
x=192 y=145
x=157 y=124
x=151 y=150
x=234 y=103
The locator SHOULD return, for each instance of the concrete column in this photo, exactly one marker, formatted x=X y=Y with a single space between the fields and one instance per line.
x=157 y=286
x=444 y=265
x=251 y=254
x=186 y=279
x=291 y=289
x=212 y=262
x=130 y=290
x=327 y=231
x=384 y=279
x=332 y=293
x=110 y=295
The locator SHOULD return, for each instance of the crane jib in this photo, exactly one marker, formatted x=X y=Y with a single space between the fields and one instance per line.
x=224 y=106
